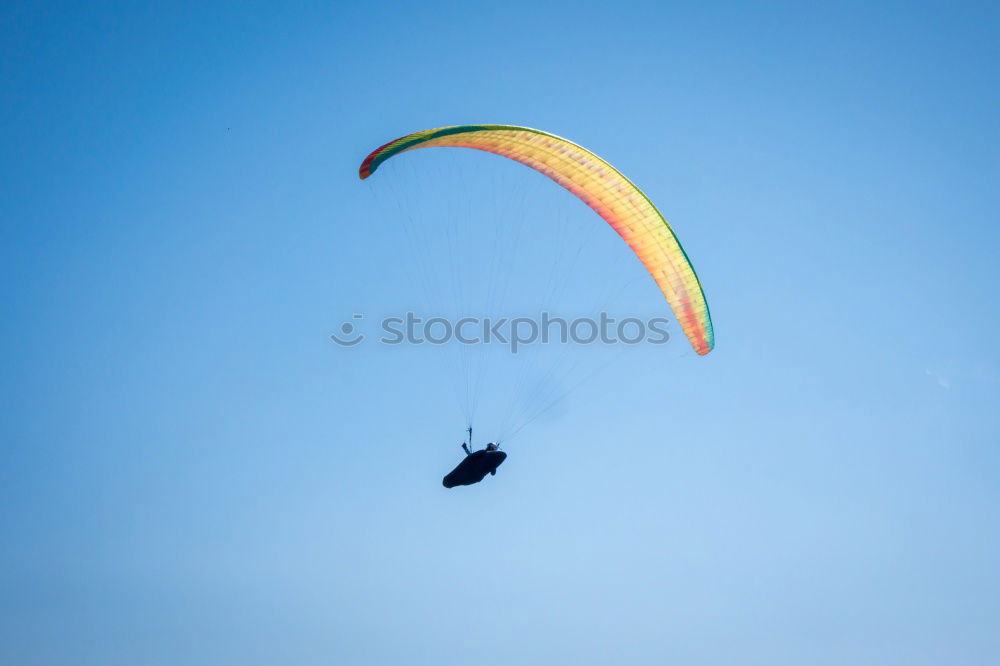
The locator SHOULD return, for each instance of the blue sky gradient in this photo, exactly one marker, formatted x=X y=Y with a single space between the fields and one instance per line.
x=191 y=472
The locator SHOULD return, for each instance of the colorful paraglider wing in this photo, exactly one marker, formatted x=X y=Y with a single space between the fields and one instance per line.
x=600 y=186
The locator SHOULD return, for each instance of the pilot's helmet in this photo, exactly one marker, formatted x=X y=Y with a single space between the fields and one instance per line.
x=492 y=446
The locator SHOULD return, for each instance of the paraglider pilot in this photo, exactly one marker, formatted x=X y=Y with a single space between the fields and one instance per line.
x=476 y=465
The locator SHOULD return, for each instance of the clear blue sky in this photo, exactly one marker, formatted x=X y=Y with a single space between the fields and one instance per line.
x=191 y=472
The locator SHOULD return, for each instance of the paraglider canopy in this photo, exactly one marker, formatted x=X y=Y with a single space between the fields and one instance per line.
x=602 y=187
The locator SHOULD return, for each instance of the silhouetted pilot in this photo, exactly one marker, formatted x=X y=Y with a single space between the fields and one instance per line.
x=475 y=466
